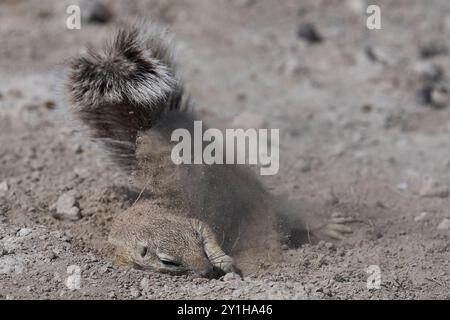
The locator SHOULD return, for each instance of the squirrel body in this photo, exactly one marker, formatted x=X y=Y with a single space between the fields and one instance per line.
x=130 y=98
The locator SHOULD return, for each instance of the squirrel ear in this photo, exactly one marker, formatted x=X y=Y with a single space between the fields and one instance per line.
x=143 y=251
x=141 y=248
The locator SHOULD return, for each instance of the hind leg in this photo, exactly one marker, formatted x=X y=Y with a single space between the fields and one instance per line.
x=310 y=228
x=337 y=226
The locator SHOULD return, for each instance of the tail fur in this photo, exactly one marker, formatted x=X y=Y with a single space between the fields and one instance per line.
x=125 y=88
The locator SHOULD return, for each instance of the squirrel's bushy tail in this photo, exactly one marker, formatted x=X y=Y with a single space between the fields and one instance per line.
x=124 y=88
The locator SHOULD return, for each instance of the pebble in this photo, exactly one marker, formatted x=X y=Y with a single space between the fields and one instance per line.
x=23 y=232
x=402 y=186
x=433 y=94
x=422 y=216
x=432 y=49
x=66 y=207
x=330 y=246
x=49 y=104
x=103 y=269
x=428 y=71
x=145 y=284
x=433 y=189
x=423 y=95
x=291 y=66
x=78 y=149
x=444 y=225
x=231 y=276
x=9 y=264
x=82 y=172
x=95 y=11
x=379 y=54
x=134 y=292
x=237 y=293
x=439 y=97
x=309 y=33
x=51 y=255
x=4 y=187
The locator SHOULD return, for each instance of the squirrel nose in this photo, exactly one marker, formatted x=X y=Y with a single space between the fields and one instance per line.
x=203 y=268
x=206 y=271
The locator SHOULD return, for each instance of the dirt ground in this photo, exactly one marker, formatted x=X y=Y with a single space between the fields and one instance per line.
x=364 y=123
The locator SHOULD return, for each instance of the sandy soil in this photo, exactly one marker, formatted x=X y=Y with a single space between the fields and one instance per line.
x=354 y=136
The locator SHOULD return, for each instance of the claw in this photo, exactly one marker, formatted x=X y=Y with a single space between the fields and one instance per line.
x=340 y=228
x=216 y=256
x=337 y=214
x=340 y=220
x=334 y=235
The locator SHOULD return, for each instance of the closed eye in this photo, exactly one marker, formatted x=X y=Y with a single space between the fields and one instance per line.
x=168 y=260
x=170 y=263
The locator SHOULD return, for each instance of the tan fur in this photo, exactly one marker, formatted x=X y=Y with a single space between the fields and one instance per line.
x=197 y=216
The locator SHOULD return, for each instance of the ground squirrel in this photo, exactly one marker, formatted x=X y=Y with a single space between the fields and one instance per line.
x=130 y=98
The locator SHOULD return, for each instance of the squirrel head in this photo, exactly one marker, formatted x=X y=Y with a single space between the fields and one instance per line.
x=168 y=243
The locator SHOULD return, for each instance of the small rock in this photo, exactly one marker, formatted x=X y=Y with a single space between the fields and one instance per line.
x=428 y=71
x=366 y=108
x=423 y=95
x=49 y=104
x=9 y=264
x=422 y=216
x=433 y=94
x=134 y=292
x=433 y=189
x=381 y=55
x=231 y=276
x=444 y=225
x=66 y=207
x=241 y=96
x=237 y=293
x=95 y=11
x=23 y=232
x=440 y=97
x=51 y=255
x=432 y=49
x=4 y=186
x=291 y=66
x=82 y=172
x=309 y=33
x=145 y=284
x=112 y=295
x=104 y=269
x=2 y=250
x=78 y=149
x=402 y=186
